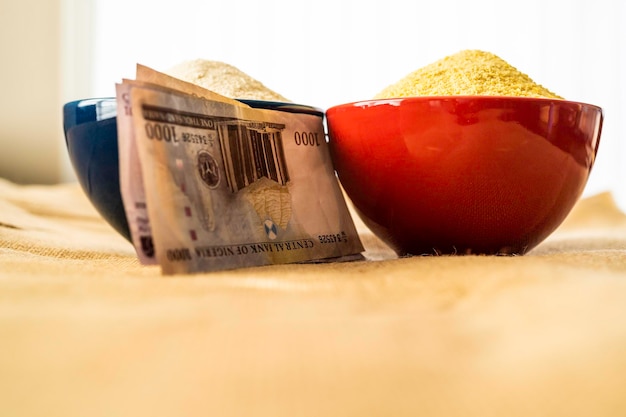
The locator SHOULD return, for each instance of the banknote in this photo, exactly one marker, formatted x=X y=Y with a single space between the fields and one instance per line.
x=228 y=186
x=131 y=178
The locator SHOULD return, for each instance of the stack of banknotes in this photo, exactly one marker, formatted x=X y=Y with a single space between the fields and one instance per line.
x=209 y=183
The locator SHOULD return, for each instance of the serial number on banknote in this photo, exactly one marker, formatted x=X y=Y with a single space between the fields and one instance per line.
x=168 y=133
x=341 y=237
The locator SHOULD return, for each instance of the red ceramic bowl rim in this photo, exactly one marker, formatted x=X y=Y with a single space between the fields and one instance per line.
x=382 y=101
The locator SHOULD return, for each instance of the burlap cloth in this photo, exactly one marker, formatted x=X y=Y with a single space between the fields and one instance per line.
x=86 y=331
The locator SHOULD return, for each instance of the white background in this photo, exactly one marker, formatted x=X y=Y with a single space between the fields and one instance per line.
x=332 y=51
x=320 y=53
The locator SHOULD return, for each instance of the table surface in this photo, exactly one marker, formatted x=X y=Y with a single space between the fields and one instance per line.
x=86 y=330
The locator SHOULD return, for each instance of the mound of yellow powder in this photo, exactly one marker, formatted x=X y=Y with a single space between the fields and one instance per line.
x=223 y=79
x=469 y=72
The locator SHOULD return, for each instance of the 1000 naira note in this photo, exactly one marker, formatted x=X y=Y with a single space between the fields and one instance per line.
x=131 y=177
x=228 y=186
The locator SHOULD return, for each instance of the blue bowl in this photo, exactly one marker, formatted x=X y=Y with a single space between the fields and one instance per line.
x=90 y=127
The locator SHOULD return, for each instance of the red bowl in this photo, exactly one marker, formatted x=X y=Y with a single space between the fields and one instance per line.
x=464 y=174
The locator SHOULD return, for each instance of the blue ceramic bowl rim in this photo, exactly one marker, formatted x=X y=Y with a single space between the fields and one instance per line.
x=282 y=106
x=96 y=109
